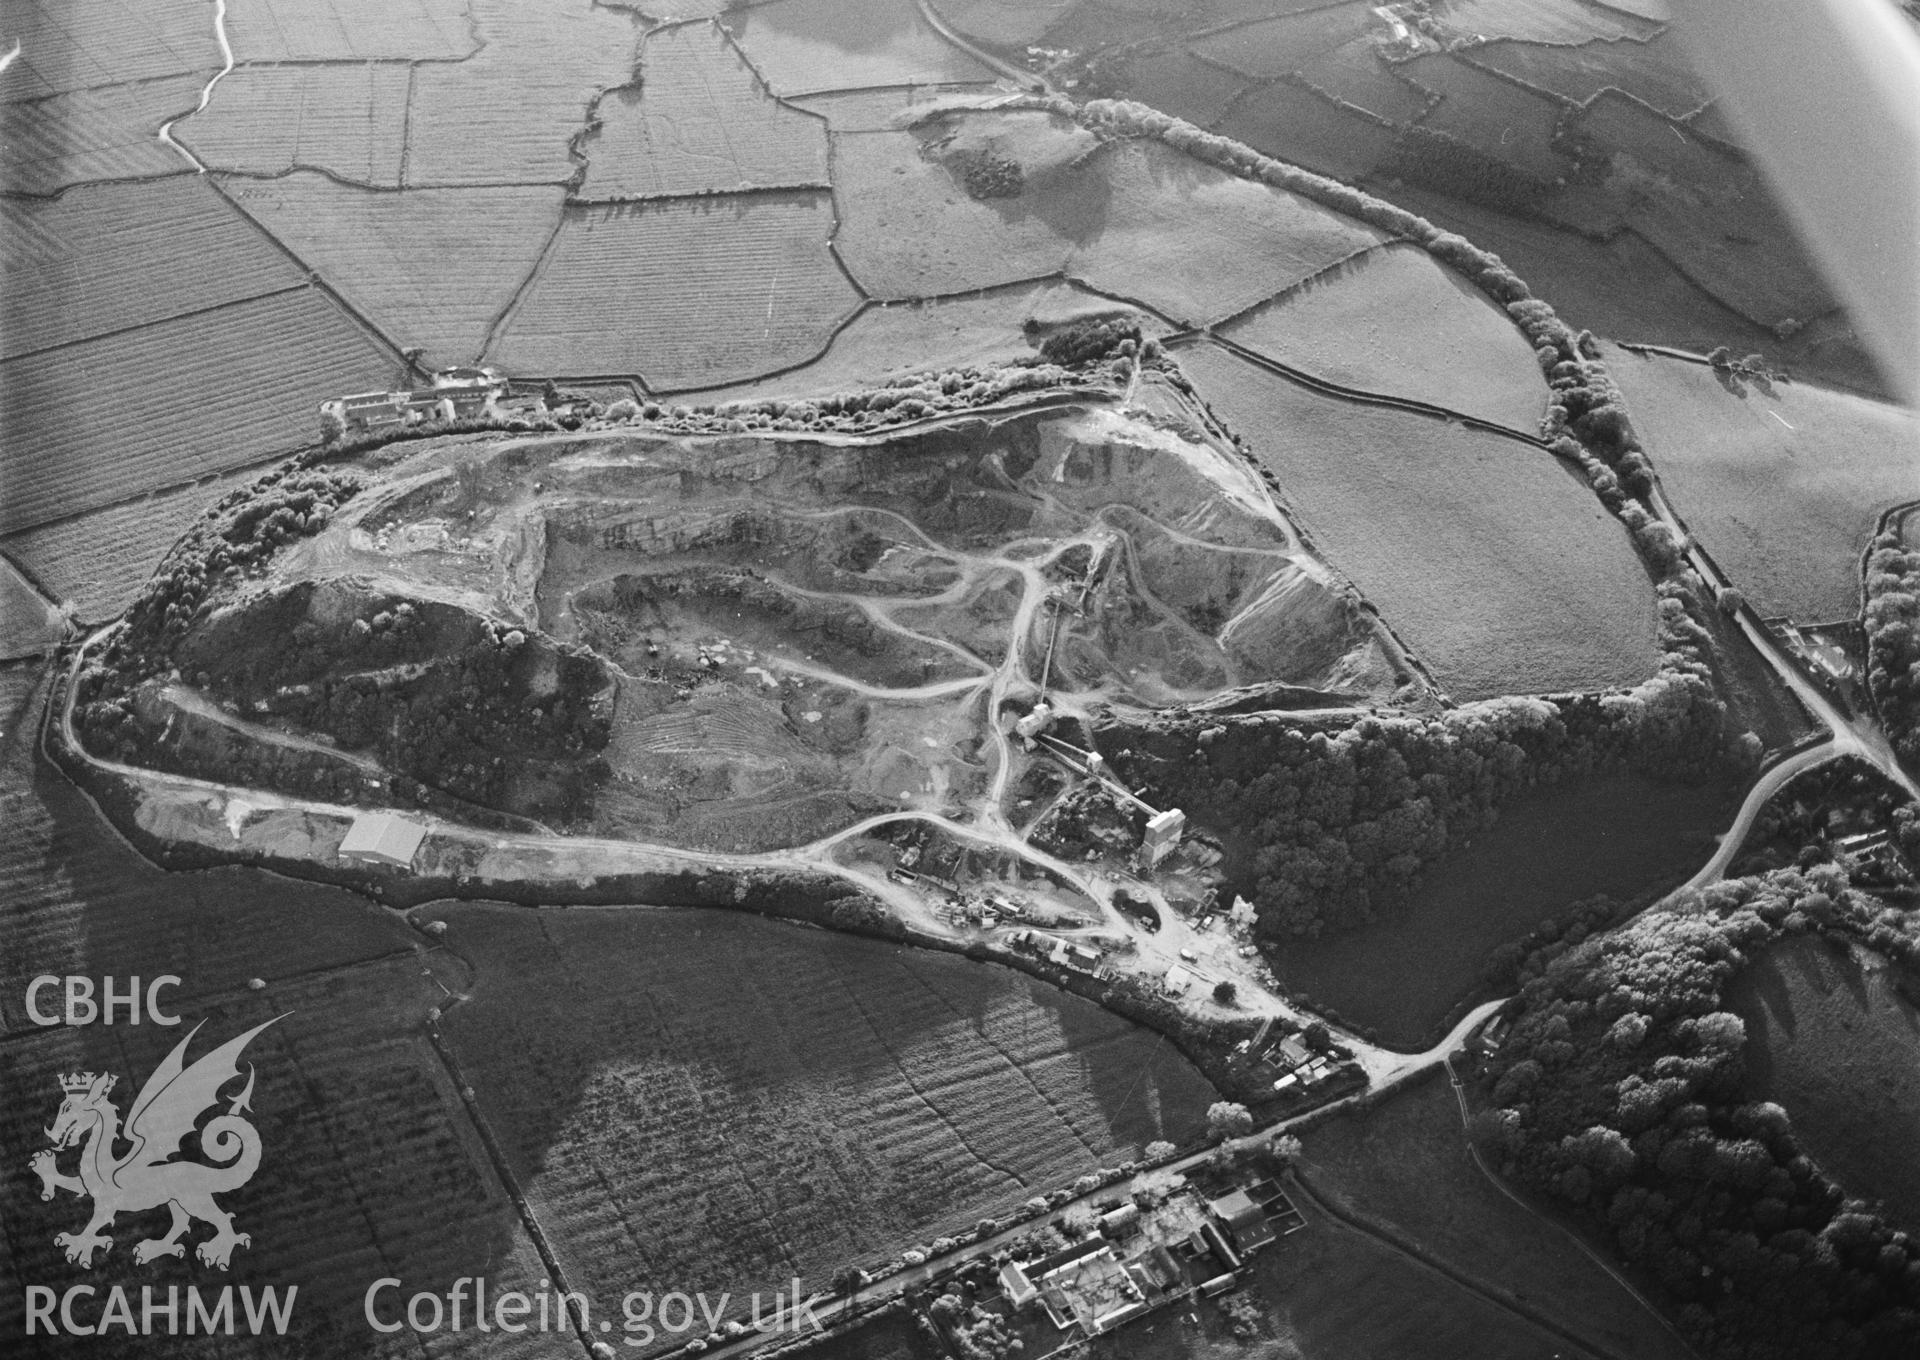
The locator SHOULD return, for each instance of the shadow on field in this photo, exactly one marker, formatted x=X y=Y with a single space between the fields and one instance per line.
x=700 y=1100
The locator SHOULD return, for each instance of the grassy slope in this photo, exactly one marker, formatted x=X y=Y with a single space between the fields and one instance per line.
x=1832 y=1042
x=1623 y=836
x=1407 y=1163
x=1494 y=564
x=1783 y=488
x=697 y=1099
x=1397 y=321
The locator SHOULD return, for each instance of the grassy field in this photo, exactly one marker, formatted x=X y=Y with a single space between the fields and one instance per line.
x=1656 y=72
x=1394 y=320
x=1333 y=1293
x=699 y=121
x=1829 y=1038
x=201 y=394
x=685 y=293
x=806 y=46
x=24 y=630
x=68 y=45
x=910 y=337
x=348 y=120
x=1354 y=73
x=699 y=1100
x=506 y=114
x=1500 y=119
x=411 y=262
x=1274 y=47
x=1783 y=487
x=1294 y=124
x=1137 y=219
x=112 y=257
x=1003 y=23
x=1623 y=836
x=1493 y=563
x=369 y=1166
x=88 y=135
x=348 y=31
x=893 y=1337
x=1407 y=1164
x=99 y=560
x=1544 y=21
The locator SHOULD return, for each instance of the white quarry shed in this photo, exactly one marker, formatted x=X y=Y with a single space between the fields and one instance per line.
x=382 y=838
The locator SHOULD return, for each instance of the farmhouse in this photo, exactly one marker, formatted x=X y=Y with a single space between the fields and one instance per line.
x=453 y=394
x=382 y=838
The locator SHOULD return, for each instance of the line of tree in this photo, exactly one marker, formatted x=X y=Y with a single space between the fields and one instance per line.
x=1338 y=821
x=1621 y=1091
x=1893 y=641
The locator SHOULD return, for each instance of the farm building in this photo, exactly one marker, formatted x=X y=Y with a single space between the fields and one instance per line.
x=453 y=394
x=1244 y=1220
x=382 y=838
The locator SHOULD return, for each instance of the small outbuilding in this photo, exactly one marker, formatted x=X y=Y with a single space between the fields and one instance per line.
x=382 y=838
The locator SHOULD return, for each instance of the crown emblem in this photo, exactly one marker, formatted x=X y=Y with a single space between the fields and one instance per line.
x=76 y=1082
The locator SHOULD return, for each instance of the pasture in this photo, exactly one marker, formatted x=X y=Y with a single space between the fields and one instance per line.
x=1274 y=47
x=350 y=31
x=685 y=293
x=1355 y=74
x=1558 y=22
x=411 y=262
x=1622 y=835
x=102 y=134
x=1395 y=320
x=97 y=561
x=1783 y=483
x=1497 y=118
x=1656 y=73
x=205 y=393
x=508 y=114
x=809 y=46
x=894 y=339
x=114 y=257
x=69 y=45
x=24 y=626
x=1490 y=560
x=696 y=1099
x=1407 y=1163
x=1294 y=124
x=349 y=121
x=1135 y=219
x=1331 y=1290
x=699 y=121
x=1831 y=1038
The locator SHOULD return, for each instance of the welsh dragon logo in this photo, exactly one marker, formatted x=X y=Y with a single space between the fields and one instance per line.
x=149 y=1175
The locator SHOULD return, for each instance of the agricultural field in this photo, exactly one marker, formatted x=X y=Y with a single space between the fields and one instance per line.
x=1783 y=482
x=1624 y=836
x=1495 y=117
x=890 y=340
x=1835 y=1038
x=111 y=258
x=347 y=120
x=698 y=121
x=1407 y=1163
x=509 y=113
x=1355 y=73
x=236 y=386
x=1491 y=561
x=1552 y=22
x=1003 y=23
x=97 y=561
x=410 y=262
x=1271 y=49
x=55 y=141
x=1656 y=72
x=24 y=626
x=699 y=1099
x=1133 y=219
x=1294 y=124
x=1395 y=320
x=270 y=31
x=809 y=46
x=1332 y=1290
x=684 y=293
x=69 y=45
